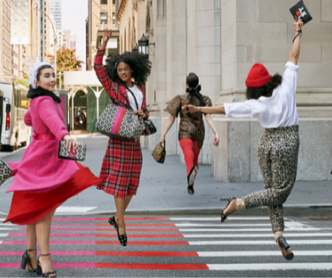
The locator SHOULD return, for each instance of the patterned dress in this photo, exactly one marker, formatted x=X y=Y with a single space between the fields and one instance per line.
x=191 y=124
x=122 y=164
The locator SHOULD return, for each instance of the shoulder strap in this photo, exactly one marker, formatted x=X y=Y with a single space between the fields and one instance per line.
x=133 y=96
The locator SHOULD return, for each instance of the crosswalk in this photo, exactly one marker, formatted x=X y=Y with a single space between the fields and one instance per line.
x=182 y=244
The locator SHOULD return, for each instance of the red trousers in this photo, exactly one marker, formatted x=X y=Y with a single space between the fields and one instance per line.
x=191 y=152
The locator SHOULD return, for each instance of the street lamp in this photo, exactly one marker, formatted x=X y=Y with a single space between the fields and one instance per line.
x=143 y=45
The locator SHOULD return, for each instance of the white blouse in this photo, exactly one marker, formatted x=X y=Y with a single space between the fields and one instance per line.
x=279 y=110
x=139 y=97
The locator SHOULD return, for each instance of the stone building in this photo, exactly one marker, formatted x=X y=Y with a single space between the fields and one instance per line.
x=101 y=15
x=220 y=40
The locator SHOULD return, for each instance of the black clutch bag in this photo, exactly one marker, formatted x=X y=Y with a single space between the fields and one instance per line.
x=300 y=11
x=79 y=155
x=150 y=127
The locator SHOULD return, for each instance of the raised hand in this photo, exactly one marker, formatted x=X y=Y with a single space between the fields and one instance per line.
x=106 y=36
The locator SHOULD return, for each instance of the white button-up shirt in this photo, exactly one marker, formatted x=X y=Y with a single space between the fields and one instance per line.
x=279 y=110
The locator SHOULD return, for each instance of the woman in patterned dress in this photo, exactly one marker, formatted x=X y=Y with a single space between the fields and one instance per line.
x=191 y=129
x=122 y=164
x=272 y=101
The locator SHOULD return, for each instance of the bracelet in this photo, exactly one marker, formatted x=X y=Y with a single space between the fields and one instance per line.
x=299 y=34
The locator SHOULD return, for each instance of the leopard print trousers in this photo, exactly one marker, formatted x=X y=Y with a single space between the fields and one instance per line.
x=278 y=155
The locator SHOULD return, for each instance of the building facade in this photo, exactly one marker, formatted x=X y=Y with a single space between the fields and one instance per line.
x=45 y=33
x=69 y=40
x=101 y=15
x=56 y=10
x=220 y=40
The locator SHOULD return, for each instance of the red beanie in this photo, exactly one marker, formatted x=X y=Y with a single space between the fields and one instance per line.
x=258 y=76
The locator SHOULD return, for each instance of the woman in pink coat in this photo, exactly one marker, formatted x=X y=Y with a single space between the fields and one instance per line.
x=43 y=181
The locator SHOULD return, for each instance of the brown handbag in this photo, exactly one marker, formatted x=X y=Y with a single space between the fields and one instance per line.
x=159 y=152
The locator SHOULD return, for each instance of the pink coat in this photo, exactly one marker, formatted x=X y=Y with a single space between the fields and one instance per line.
x=40 y=169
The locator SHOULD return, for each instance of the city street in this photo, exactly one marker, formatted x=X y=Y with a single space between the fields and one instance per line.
x=173 y=234
x=176 y=246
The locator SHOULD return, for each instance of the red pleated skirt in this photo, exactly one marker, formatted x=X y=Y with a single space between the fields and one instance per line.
x=29 y=208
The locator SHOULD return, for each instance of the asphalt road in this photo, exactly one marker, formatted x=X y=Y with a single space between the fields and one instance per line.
x=179 y=246
x=173 y=234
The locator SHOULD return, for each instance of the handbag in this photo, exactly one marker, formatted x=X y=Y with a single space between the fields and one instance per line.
x=79 y=155
x=5 y=171
x=300 y=11
x=159 y=152
x=120 y=123
x=150 y=128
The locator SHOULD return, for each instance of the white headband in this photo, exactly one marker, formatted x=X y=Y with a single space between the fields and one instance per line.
x=34 y=72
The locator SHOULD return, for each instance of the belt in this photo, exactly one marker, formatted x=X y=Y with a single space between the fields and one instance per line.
x=43 y=136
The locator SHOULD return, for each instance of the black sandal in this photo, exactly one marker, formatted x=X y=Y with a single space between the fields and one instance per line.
x=26 y=260
x=40 y=270
x=229 y=200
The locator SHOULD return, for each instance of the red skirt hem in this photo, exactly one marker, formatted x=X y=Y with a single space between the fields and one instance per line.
x=29 y=208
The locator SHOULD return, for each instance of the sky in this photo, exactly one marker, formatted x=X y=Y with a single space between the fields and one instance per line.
x=74 y=14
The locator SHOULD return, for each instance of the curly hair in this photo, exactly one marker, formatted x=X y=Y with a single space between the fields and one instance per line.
x=140 y=65
x=256 y=93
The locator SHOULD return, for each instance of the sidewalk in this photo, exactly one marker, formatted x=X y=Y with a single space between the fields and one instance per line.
x=163 y=190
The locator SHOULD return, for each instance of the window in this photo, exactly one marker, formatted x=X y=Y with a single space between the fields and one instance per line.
x=103 y=2
x=103 y=18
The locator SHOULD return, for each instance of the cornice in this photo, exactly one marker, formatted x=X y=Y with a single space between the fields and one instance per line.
x=121 y=9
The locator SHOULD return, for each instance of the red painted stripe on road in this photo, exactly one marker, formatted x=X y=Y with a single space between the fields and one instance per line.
x=142 y=225
x=141 y=230
x=105 y=219
x=102 y=235
x=110 y=253
x=102 y=242
x=10 y=265
x=109 y=230
x=153 y=266
x=144 y=243
x=146 y=254
x=142 y=236
x=186 y=267
x=138 y=219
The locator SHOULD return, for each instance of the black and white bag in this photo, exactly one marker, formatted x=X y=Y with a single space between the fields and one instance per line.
x=5 y=171
x=78 y=155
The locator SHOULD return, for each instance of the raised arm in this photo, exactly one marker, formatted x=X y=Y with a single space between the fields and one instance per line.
x=207 y=110
x=295 y=50
x=100 y=70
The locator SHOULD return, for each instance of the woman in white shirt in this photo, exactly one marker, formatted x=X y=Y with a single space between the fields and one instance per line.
x=272 y=101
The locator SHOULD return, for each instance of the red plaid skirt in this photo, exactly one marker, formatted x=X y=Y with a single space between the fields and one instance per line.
x=121 y=168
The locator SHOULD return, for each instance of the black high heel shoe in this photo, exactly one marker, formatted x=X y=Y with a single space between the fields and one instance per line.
x=223 y=216
x=285 y=248
x=26 y=260
x=40 y=270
